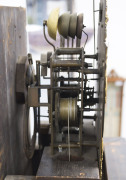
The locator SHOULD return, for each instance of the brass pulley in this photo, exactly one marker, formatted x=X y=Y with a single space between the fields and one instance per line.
x=62 y=106
x=63 y=24
x=52 y=23
x=68 y=104
x=67 y=24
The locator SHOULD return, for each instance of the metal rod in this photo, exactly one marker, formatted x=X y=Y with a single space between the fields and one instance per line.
x=68 y=79
x=86 y=38
x=85 y=71
x=94 y=22
x=44 y=104
x=78 y=42
x=91 y=71
x=94 y=30
x=51 y=109
x=62 y=41
x=93 y=56
x=97 y=10
x=87 y=56
x=89 y=143
x=89 y=109
x=81 y=118
x=65 y=69
x=39 y=94
x=66 y=145
x=43 y=116
x=67 y=63
x=62 y=51
x=68 y=41
x=43 y=86
x=68 y=128
x=74 y=79
x=89 y=117
x=68 y=58
x=68 y=88
x=72 y=42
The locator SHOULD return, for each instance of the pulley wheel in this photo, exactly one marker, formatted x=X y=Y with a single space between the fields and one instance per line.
x=63 y=24
x=52 y=23
x=73 y=25
x=79 y=26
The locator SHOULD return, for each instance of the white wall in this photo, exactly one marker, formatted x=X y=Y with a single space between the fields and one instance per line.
x=116 y=41
x=13 y=3
x=117 y=36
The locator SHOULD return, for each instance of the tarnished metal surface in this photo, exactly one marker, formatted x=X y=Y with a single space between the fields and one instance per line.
x=44 y=58
x=79 y=26
x=73 y=25
x=102 y=51
x=72 y=51
x=12 y=44
x=52 y=168
x=63 y=24
x=65 y=105
x=56 y=167
x=67 y=63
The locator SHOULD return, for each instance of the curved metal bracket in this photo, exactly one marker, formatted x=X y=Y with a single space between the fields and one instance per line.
x=45 y=24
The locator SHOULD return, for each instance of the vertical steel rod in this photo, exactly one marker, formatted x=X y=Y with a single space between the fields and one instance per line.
x=68 y=39
x=38 y=83
x=51 y=104
x=81 y=118
x=94 y=22
x=68 y=128
x=72 y=42
x=94 y=31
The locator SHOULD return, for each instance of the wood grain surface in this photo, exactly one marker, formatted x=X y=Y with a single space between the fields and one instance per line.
x=12 y=44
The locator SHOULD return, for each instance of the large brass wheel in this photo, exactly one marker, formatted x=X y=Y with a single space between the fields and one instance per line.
x=30 y=126
x=25 y=78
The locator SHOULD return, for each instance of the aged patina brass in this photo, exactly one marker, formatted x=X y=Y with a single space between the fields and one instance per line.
x=63 y=24
x=73 y=25
x=79 y=25
x=68 y=104
x=52 y=23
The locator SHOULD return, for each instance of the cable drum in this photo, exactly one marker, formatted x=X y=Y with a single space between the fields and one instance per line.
x=68 y=104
